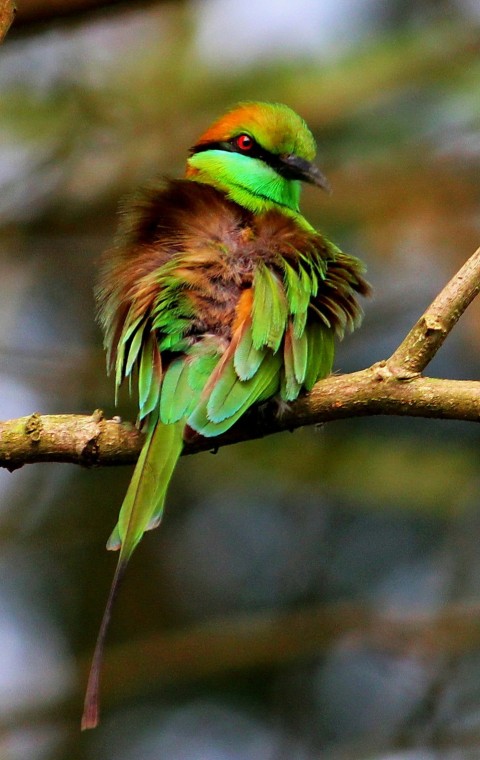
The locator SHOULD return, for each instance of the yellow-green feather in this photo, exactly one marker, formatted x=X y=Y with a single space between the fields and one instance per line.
x=247 y=357
x=270 y=309
x=231 y=397
x=146 y=492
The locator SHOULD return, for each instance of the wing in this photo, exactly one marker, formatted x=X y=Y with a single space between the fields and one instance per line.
x=283 y=333
x=218 y=309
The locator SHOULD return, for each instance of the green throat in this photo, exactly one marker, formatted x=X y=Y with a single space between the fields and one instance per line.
x=250 y=182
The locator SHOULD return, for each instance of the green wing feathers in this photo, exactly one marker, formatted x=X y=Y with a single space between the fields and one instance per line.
x=282 y=342
x=176 y=396
x=270 y=309
x=320 y=353
x=276 y=337
x=231 y=397
x=247 y=358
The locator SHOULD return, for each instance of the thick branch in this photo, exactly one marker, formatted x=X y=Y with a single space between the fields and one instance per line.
x=392 y=387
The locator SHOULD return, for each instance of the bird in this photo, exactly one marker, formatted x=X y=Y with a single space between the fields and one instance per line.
x=216 y=296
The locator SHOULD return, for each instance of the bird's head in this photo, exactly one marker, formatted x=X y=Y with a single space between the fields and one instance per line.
x=258 y=153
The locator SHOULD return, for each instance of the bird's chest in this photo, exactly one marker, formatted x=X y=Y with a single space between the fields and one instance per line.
x=214 y=279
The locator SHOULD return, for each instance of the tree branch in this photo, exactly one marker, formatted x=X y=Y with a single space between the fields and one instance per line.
x=394 y=387
x=34 y=12
x=7 y=14
x=426 y=337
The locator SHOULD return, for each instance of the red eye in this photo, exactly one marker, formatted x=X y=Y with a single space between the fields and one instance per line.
x=244 y=142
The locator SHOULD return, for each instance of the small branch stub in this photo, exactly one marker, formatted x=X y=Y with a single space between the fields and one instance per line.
x=33 y=428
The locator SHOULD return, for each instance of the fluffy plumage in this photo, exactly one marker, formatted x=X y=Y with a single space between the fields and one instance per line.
x=219 y=295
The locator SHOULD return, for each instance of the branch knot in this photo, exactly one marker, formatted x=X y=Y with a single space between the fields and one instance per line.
x=34 y=428
x=433 y=325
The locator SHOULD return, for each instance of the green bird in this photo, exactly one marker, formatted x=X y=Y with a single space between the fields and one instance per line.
x=218 y=295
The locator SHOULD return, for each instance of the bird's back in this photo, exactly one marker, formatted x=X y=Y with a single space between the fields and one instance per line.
x=213 y=247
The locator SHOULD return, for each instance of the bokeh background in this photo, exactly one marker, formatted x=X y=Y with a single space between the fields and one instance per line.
x=314 y=595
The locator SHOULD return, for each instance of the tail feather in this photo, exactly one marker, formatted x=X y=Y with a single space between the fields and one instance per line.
x=91 y=704
x=141 y=510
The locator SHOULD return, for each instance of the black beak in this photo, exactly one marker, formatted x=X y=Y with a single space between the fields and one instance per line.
x=294 y=167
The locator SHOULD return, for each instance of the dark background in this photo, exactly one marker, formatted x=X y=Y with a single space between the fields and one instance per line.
x=313 y=595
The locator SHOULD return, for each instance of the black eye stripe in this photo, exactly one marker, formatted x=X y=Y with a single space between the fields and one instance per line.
x=256 y=151
x=230 y=146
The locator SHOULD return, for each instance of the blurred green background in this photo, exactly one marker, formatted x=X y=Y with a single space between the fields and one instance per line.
x=313 y=595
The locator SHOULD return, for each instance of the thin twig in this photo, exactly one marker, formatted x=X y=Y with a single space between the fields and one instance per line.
x=426 y=337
